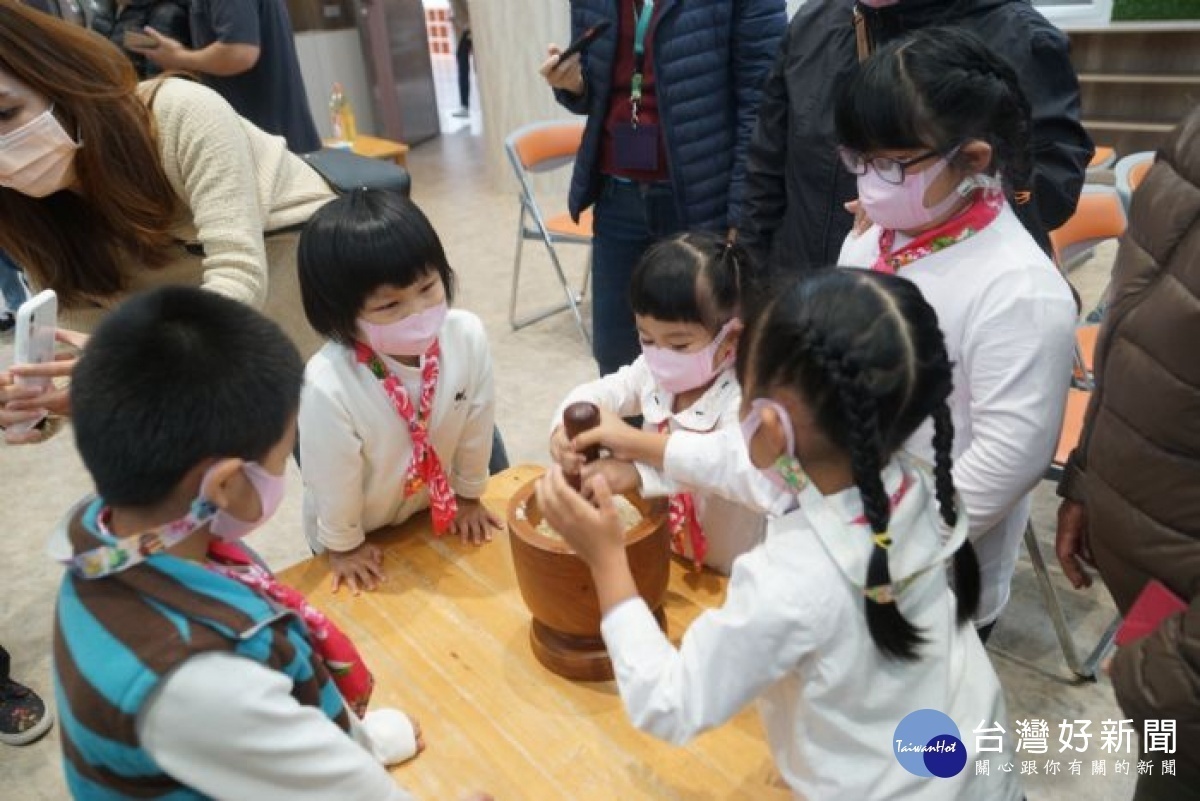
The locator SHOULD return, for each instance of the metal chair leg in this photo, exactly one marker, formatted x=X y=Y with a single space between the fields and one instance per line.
x=1086 y=668
x=516 y=279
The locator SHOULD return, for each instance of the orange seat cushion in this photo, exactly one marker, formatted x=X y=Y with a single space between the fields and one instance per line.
x=1137 y=173
x=1103 y=155
x=1085 y=340
x=1072 y=427
x=563 y=225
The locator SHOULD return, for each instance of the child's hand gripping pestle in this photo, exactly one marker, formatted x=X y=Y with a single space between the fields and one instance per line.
x=577 y=418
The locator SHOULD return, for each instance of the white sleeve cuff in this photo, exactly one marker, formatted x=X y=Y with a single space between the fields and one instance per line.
x=654 y=483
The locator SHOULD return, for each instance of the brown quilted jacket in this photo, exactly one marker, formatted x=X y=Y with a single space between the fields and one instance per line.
x=1137 y=466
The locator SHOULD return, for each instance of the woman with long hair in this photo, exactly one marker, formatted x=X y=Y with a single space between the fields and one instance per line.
x=108 y=186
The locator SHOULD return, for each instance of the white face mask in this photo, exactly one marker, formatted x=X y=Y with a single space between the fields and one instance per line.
x=38 y=159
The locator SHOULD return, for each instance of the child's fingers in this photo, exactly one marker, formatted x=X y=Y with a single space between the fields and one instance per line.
x=73 y=338
x=336 y=583
x=601 y=493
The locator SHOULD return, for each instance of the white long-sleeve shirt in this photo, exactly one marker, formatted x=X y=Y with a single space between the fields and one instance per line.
x=730 y=528
x=792 y=633
x=355 y=449
x=229 y=728
x=1008 y=318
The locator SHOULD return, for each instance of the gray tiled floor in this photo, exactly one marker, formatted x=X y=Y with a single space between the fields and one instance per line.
x=534 y=368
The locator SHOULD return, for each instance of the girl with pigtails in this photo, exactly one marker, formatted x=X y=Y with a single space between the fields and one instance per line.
x=854 y=611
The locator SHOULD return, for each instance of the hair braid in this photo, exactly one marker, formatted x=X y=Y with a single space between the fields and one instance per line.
x=891 y=631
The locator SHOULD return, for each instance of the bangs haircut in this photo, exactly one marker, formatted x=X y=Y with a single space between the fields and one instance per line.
x=176 y=376
x=879 y=108
x=358 y=243
x=688 y=278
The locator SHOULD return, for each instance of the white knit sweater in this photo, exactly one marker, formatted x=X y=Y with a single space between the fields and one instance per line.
x=236 y=182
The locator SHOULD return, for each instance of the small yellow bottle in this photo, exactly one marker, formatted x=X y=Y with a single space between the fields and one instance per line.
x=341 y=115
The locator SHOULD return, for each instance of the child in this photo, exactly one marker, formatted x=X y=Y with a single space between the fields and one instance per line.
x=397 y=412
x=842 y=621
x=174 y=677
x=934 y=126
x=685 y=298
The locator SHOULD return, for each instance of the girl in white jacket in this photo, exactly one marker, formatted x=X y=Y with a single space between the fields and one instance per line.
x=844 y=621
x=935 y=127
x=685 y=297
x=397 y=411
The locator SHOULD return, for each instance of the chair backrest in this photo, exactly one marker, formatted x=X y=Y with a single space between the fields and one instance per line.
x=544 y=146
x=1100 y=215
x=1130 y=171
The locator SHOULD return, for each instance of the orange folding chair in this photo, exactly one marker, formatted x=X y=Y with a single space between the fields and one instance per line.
x=1099 y=216
x=1085 y=668
x=539 y=148
x=1102 y=158
x=1130 y=172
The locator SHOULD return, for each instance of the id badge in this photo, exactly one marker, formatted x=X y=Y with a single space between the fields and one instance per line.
x=636 y=148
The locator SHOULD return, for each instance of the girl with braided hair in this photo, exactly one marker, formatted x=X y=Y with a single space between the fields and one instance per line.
x=686 y=297
x=936 y=129
x=845 y=619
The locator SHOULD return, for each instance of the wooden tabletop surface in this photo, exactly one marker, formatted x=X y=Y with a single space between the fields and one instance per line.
x=447 y=637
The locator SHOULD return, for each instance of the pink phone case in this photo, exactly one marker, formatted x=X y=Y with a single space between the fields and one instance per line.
x=1154 y=605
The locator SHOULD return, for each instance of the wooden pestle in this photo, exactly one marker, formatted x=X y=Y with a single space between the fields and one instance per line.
x=577 y=418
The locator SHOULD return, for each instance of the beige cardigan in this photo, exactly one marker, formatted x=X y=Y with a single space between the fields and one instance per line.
x=236 y=182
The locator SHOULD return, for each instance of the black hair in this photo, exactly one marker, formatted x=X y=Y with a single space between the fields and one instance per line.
x=864 y=351
x=937 y=88
x=690 y=278
x=175 y=376
x=357 y=243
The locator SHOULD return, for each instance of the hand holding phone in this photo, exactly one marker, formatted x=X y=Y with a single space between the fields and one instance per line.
x=136 y=40
x=37 y=320
x=585 y=40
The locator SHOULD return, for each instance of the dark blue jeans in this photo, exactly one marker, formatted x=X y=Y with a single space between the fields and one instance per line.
x=10 y=283
x=629 y=217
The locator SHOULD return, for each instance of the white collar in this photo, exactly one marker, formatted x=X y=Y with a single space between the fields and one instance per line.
x=703 y=415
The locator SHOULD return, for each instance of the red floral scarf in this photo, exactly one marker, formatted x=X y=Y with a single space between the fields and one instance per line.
x=984 y=209
x=425 y=469
x=685 y=523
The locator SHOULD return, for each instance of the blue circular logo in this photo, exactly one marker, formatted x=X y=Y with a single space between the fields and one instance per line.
x=927 y=743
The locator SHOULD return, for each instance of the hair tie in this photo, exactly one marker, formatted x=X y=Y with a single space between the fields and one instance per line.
x=880 y=594
x=883 y=540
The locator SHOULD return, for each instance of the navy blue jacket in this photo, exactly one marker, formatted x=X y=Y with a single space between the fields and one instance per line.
x=710 y=60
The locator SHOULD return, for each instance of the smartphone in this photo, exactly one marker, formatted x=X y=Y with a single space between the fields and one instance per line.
x=138 y=39
x=37 y=320
x=585 y=40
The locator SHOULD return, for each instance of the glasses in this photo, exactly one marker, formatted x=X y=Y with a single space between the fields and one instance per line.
x=890 y=170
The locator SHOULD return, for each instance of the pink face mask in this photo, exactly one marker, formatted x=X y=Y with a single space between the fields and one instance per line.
x=786 y=473
x=901 y=207
x=270 y=489
x=38 y=159
x=411 y=336
x=679 y=372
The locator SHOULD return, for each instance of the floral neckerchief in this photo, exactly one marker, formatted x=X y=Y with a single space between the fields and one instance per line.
x=984 y=209
x=341 y=658
x=425 y=469
x=684 y=522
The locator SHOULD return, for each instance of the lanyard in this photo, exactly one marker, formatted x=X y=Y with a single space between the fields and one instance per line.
x=639 y=55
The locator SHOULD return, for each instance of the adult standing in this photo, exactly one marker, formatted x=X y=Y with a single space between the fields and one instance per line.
x=671 y=92
x=112 y=187
x=795 y=189
x=114 y=19
x=246 y=51
x=466 y=46
x=1132 y=486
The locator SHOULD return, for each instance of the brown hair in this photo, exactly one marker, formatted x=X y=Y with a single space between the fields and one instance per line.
x=74 y=242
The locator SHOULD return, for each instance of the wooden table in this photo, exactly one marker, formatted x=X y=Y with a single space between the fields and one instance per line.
x=447 y=637
x=376 y=148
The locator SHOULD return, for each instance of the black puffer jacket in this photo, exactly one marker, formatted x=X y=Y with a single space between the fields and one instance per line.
x=795 y=185
x=168 y=17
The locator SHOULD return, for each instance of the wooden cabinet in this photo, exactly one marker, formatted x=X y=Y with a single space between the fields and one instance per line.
x=1137 y=81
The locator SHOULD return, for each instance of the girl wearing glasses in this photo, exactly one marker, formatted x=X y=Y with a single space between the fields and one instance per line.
x=936 y=129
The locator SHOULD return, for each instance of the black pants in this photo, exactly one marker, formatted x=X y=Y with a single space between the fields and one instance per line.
x=463 y=54
x=4 y=665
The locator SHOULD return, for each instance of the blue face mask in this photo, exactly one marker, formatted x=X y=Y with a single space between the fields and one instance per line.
x=786 y=473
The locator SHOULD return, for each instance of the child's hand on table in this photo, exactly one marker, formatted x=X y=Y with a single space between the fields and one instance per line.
x=622 y=477
x=359 y=569
x=593 y=530
x=474 y=523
